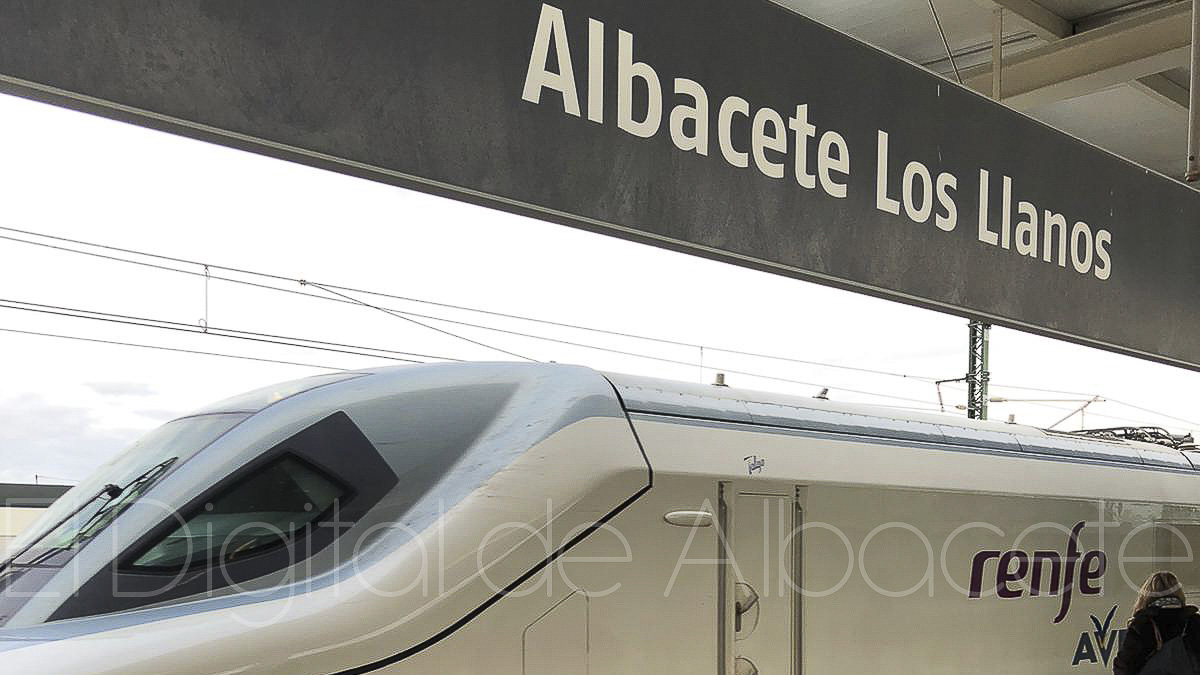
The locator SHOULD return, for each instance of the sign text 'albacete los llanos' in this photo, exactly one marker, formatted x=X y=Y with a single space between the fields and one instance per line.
x=817 y=156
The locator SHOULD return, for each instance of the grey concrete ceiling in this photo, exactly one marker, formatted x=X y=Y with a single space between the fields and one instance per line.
x=1111 y=72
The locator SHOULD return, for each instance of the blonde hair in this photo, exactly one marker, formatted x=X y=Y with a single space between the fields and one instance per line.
x=1161 y=584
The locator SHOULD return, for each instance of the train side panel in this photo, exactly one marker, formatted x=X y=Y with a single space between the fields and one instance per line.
x=958 y=561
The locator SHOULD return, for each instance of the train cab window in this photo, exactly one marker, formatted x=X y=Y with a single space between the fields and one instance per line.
x=273 y=507
x=260 y=526
x=90 y=507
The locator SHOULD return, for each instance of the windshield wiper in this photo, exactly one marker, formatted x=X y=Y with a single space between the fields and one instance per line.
x=111 y=491
x=132 y=490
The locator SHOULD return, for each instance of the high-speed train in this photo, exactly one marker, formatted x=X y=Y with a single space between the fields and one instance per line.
x=542 y=519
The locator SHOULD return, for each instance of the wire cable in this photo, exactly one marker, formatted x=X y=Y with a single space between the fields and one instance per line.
x=208 y=276
x=147 y=323
x=347 y=300
x=154 y=323
x=400 y=315
x=1090 y=411
x=266 y=338
x=167 y=349
x=1153 y=412
x=336 y=290
x=361 y=291
x=1106 y=398
x=407 y=315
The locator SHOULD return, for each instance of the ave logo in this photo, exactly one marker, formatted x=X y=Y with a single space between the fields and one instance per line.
x=1100 y=645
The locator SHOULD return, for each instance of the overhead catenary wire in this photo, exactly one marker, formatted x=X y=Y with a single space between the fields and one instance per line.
x=152 y=323
x=400 y=315
x=461 y=323
x=1090 y=413
x=1107 y=399
x=267 y=338
x=144 y=322
x=360 y=291
x=207 y=276
x=262 y=360
x=1152 y=412
x=338 y=368
x=336 y=290
x=349 y=300
x=167 y=349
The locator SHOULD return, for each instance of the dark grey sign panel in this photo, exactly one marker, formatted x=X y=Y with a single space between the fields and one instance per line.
x=732 y=129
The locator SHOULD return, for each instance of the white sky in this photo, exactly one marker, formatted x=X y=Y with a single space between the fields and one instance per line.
x=66 y=405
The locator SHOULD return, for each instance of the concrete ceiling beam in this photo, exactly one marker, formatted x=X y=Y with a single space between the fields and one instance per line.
x=1141 y=45
x=1164 y=90
x=1043 y=22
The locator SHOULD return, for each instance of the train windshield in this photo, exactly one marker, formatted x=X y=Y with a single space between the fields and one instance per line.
x=92 y=505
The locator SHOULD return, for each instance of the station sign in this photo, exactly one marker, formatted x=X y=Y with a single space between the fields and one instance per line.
x=732 y=129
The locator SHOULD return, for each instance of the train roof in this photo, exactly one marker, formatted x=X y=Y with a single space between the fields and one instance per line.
x=708 y=404
x=729 y=405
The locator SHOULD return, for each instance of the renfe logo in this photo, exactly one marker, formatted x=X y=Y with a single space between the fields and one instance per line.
x=1016 y=566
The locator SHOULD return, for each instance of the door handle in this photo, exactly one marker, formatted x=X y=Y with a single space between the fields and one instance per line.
x=746 y=600
x=689 y=518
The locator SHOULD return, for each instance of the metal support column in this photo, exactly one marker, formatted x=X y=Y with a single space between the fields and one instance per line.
x=977 y=349
x=977 y=370
x=1193 y=157
x=998 y=52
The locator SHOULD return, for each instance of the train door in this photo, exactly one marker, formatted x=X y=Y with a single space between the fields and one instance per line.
x=760 y=579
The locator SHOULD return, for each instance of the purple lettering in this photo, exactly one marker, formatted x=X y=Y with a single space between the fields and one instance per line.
x=1087 y=574
x=1046 y=572
x=1069 y=580
x=977 y=565
x=1005 y=575
x=1055 y=561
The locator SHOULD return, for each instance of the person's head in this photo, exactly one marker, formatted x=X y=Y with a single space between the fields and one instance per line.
x=1161 y=584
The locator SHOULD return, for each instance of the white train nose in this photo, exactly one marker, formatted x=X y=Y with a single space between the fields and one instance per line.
x=323 y=528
